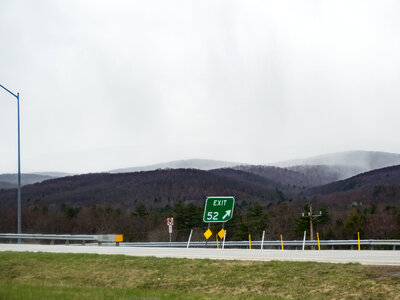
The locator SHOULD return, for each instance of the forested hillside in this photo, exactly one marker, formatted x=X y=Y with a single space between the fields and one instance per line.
x=154 y=189
x=136 y=204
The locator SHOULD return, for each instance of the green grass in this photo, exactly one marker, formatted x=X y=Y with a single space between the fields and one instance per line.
x=89 y=276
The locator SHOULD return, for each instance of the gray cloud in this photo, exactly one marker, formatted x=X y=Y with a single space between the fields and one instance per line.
x=114 y=84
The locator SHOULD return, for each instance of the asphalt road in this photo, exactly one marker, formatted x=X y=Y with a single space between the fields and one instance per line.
x=367 y=257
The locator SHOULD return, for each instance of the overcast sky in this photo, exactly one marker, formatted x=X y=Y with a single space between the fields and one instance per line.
x=112 y=84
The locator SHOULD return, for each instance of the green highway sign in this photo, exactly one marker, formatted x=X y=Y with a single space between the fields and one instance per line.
x=218 y=209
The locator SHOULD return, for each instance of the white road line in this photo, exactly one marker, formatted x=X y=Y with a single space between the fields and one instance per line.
x=367 y=257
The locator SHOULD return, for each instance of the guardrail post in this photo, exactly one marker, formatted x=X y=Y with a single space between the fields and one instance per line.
x=249 y=241
x=352 y=247
x=67 y=242
x=223 y=241
x=394 y=247
x=262 y=240
x=333 y=247
x=372 y=247
x=52 y=242
x=190 y=237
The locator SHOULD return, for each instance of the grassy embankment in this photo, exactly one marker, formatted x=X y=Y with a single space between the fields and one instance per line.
x=88 y=276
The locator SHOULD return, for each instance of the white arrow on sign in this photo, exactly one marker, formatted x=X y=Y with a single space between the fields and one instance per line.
x=228 y=213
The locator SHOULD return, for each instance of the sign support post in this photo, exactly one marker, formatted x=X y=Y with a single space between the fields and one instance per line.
x=207 y=239
x=170 y=223
x=223 y=241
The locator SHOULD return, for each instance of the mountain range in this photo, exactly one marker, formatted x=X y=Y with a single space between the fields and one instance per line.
x=327 y=177
x=263 y=184
x=318 y=170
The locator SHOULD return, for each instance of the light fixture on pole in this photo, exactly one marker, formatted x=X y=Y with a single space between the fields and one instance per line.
x=19 y=164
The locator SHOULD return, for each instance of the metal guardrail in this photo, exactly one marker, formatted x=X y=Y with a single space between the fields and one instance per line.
x=110 y=238
x=266 y=244
x=99 y=238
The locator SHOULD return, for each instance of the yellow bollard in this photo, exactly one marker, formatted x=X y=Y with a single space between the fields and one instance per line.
x=249 y=241
x=217 y=240
x=358 y=241
x=319 y=247
x=281 y=242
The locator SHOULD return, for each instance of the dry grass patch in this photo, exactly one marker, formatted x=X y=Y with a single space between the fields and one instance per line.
x=200 y=278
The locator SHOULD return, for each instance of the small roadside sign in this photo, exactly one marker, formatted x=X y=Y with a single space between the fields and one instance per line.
x=170 y=223
x=221 y=233
x=218 y=209
x=119 y=238
x=208 y=233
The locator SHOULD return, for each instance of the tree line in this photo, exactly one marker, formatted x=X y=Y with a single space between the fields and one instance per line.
x=142 y=224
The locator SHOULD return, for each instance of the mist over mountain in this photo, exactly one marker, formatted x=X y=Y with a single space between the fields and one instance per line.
x=280 y=176
x=201 y=164
x=26 y=178
x=53 y=174
x=323 y=169
x=323 y=174
x=374 y=178
x=317 y=170
x=7 y=185
x=360 y=160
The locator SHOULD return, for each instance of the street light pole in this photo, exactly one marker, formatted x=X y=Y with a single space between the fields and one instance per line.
x=19 y=164
x=19 y=174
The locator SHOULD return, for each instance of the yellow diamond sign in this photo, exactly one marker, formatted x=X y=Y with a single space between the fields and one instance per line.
x=221 y=233
x=208 y=233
